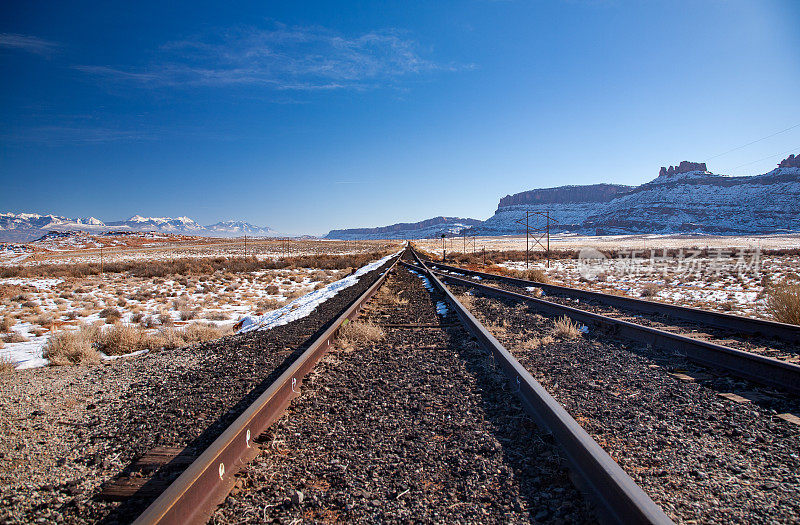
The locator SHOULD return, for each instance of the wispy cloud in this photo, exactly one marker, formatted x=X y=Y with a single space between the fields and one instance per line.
x=283 y=58
x=31 y=44
x=75 y=134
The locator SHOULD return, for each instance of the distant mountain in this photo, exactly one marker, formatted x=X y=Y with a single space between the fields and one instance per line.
x=26 y=227
x=162 y=224
x=407 y=230
x=242 y=228
x=682 y=199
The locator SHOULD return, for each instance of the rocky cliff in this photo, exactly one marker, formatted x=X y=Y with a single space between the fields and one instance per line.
x=407 y=230
x=683 y=199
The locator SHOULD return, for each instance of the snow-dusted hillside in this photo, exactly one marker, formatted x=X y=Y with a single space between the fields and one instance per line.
x=407 y=230
x=692 y=201
x=26 y=227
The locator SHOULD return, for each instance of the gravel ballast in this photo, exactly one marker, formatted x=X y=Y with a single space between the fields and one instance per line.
x=412 y=428
x=701 y=457
x=65 y=431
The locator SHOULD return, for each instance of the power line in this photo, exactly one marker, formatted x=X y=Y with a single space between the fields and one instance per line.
x=765 y=158
x=751 y=143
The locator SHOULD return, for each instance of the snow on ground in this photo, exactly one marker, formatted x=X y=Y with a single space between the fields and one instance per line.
x=725 y=285
x=33 y=308
x=441 y=308
x=303 y=306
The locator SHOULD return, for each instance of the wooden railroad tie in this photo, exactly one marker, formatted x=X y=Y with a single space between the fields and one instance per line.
x=138 y=480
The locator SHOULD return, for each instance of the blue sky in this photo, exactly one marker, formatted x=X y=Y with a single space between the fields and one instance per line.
x=308 y=116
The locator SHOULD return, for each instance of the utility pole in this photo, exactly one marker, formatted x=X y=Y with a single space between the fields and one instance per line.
x=444 y=244
x=245 y=246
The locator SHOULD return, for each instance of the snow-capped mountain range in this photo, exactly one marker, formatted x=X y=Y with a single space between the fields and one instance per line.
x=683 y=199
x=23 y=227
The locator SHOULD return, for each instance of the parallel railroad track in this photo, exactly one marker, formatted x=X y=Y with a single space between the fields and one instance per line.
x=758 y=367
x=732 y=323
x=371 y=420
x=193 y=496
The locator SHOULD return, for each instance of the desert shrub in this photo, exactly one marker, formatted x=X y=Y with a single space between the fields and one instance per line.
x=187 y=313
x=44 y=320
x=30 y=304
x=273 y=290
x=110 y=313
x=199 y=332
x=138 y=317
x=7 y=291
x=783 y=302
x=359 y=333
x=165 y=319
x=6 y=323
x=72 y=347
x=532 y=274
x=218 y=316
x=566 y=327
x=650 y=290
x=123 y=339
x=14 y=337
x=268 y=304
x=6 y=366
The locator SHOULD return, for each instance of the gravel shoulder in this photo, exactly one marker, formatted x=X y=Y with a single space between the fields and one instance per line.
x=414 y=428
x=66 y=431
x=701 y=457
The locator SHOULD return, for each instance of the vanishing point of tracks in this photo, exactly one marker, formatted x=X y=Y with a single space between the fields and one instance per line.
x=440 y=422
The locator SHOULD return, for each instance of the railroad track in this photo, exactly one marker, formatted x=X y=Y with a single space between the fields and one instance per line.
x=711 y=351
x=194 y=495
x=733 y=323
x=430 y=422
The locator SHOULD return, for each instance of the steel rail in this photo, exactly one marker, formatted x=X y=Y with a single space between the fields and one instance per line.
x=738 y=323
x=619 y=499
x=194 y=495
x=758 y=368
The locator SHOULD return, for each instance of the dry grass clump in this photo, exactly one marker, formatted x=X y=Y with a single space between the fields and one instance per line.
x=123 y=339
x=218 y=316
x=187 y=313
x=784 y=303
x=354 y=333
x=535 y=342
x=72 y=347
x=6 y=323
x=6 y=366
x=467 y=300
x=199 y=332
x=534 y=274
x=111 y=315
x=44 y=320
x=14 y=337
x=263 y=304
x=566 y=327
x=650 y=290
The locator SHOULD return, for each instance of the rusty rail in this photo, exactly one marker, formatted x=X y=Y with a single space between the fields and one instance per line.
x=194 y=495
x=619 y=499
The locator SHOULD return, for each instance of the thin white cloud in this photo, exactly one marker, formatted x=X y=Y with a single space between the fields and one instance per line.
x=31 y=44
x=283 y=58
